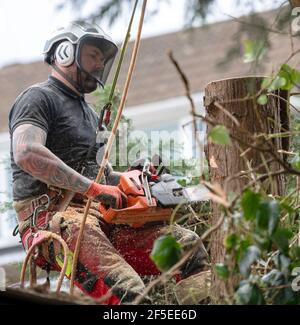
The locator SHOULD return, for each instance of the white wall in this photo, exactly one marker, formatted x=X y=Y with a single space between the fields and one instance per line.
x=170 y=115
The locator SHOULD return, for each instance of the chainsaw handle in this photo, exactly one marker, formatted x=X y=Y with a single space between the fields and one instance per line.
x=107 y=213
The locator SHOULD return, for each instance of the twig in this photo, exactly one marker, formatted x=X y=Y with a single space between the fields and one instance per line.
x=283 y=99
x=226 y=112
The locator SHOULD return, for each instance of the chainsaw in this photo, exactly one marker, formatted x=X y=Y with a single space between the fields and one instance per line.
x=151 y=197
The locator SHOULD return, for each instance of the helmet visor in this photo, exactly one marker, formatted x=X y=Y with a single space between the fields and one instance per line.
x=95 y=56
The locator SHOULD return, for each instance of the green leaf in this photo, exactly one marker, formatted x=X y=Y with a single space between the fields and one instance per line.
x=262 y=241
x=286 y=296
x=281 y=239
x=295 y=76
x=222 y=271
x=249 y=294
x=292 y=76
x=166 y=252
x=182 y=182
x=286 y=79
x=250 y=202
x=219 y=135
x=295 y=252
x=266 y=83
x=267 y=216
x=231 y=241
x=282 y=263
x=287 y=208
x=250 y=256
x=254 y=50
x=277 y=83
x=296 y=161
x=262 y=100
x=241 y=248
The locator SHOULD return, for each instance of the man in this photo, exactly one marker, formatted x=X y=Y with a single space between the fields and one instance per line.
x=52 y=128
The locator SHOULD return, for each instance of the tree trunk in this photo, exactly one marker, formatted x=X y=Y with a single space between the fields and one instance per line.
x=226 y=161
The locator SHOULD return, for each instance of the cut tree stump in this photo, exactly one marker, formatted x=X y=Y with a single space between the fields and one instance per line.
x=226 y=161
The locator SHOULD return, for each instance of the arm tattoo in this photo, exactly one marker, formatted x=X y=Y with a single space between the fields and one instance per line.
x=33 y=157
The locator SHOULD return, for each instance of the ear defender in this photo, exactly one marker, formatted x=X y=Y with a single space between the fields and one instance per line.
x=65 y=53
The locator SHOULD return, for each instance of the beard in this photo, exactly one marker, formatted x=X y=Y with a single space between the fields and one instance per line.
x=89 y=84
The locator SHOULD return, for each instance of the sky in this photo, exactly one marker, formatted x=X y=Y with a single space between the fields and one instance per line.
x=23 y=31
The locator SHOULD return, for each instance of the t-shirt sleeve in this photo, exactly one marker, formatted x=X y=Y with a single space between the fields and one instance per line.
x=32 y=107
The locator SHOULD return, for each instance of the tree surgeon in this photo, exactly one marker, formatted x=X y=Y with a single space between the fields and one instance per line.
x=51 y=128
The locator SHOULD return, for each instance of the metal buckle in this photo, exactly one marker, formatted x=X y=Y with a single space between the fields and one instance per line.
x=38 y=210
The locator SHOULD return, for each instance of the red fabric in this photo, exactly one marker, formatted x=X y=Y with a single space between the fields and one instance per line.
x=100 y=289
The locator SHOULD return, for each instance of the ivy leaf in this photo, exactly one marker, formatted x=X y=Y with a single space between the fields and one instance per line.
x=254 y=50
x=222 y=271
x=166 y=252
x=266 y=83
x=292 y=76
x=267 y=216
x=250 y=203
x=231 y=241
x=286 y=296
x=287 y=208
x=219 y=135
x=295 y=77
x=241 y=248
x=262 y=241
x=262 y=100
x=295 y=252
x=277 y=83
x=281 y=239
x=272 y=84
x=282 y=263
x=250 y=255
x=286 y=79
x=296 y=161
x=249 y=294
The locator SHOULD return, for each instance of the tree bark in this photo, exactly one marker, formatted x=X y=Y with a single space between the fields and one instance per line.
x=226 y=161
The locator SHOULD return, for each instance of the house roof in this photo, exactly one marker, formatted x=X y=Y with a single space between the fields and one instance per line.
x=199 y=52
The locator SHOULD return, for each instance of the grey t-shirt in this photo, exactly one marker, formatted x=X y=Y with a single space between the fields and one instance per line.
x=70 y=124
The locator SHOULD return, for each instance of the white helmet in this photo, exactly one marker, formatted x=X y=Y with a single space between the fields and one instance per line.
x=65 y=46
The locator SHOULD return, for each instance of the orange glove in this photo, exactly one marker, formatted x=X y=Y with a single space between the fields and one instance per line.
x=108 y=195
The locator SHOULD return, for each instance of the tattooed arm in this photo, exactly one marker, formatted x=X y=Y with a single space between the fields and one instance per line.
x=34 y=158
